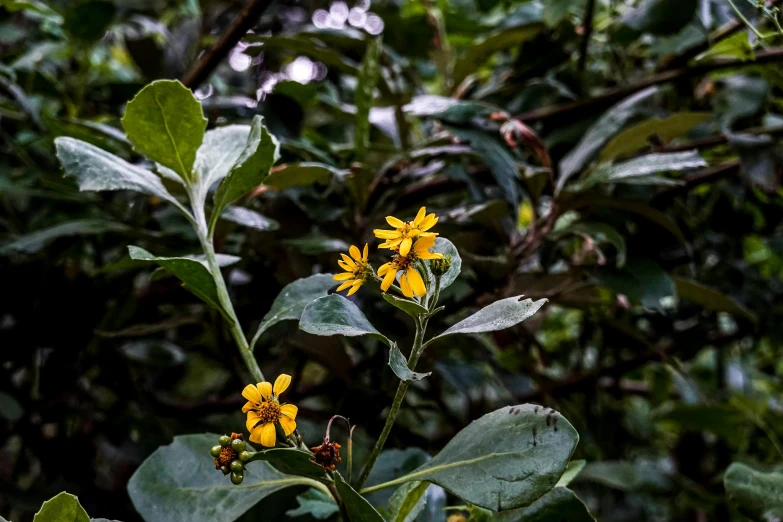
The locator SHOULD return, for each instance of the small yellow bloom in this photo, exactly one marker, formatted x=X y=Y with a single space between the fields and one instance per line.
x=406 y=231
x=411 y=281
x=357 y=270
x=264 y=411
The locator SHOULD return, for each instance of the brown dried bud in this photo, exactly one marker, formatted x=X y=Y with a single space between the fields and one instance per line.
x=327 y=455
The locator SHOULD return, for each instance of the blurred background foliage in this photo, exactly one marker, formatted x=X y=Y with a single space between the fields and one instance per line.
x=618 y=157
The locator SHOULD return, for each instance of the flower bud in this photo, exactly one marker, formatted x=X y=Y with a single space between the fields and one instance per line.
x=237 y=477
x=224 y=441
x=238 y=445
x=236 y=466
x=245 y=456
x=440 y=266
x=215 y=451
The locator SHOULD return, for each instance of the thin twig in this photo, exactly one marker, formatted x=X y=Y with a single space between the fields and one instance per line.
x=211 y=58
x=587 y=27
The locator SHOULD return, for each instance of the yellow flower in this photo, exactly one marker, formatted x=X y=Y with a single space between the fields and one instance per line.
x=406 y=231
x=410 y=281
x=264 y=411
x=357 y=270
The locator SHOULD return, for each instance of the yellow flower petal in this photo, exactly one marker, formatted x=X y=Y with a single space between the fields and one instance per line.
x=393 y=221
x=281 y=383
x=264 y=435
x=405 y=287
x=343 y=277
x=345 y=266
x=355 y=288
x=366 y=251
x=386 y=234
x=419 y=216
x=251 y=394
x=429 y=255
x=424 y=244
x=391 y=243
x=405 y=246
x=383 y=269
x=252 y=419
x=416 y=282
x=428 y=222
x=288 y=425
x=265 y=389
x=247 y=407
x=289 y=410
x=349 y=261
x=354 y=251
x=344 y=286
x=388 y=279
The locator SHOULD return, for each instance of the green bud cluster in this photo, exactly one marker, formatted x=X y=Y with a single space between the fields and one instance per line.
x=230 y=455
x=440 y=266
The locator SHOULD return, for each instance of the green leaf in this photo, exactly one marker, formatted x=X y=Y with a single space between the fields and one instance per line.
x=399 y=366
x=556 y=506
x=500 y=315
x=314 y=503
x=711 y=299
x=179 y=483
x=249 y=218
x=758 y=495
x=365 y=89
x=447 y=248
x=290 y=461
x=165 y=123
x=336 y=315
x=408 y=501
x=302 y=175
x=36 y=241
x=305 y=44
x=292 y=300
x=555 y=11
x=642 y=281
x=735 y=46
x=406 y=305
x=252 y=167
x=601 y=233
x=504 y=460
x=89 y=20
x=572 y=470
x=62 y=508
x=642 y=170
x=659 y=17
x=450 y=110
x=94 y=169
x=153 y=352
x=721 y=420
x=196 y=277
x=637 y=137
x=480 y=50
x=613 y=121
x=496 y=155
x=219 y=152
x=391 y=465
x=622 y=475
x=760 y=160
x=357 y=507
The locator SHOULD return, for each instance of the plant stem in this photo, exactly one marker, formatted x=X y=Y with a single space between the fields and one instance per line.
x=402 y=388
x=222 y=290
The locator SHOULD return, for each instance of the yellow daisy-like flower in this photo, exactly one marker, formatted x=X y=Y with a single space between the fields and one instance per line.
x=406 y=231
x=357 y=270
x=411 y=281
x=264 y=411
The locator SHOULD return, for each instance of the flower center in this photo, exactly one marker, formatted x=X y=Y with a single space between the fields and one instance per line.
x=403 y=262
x=408 y=230
x=269 y=411
x=226 y=456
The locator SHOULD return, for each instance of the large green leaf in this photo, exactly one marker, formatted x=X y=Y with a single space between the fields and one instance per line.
x=165 y=123
x=88 y=20
x=411 y=308
x=219 y=152
x=505 y=460
x=758 y=495
x=711 y=299
x=179 y=483
x=637 y=137
x=391 y=465
x=62 y=508
x=556 y=506
x=292 y=300
x=302 y=175
x=95 y=169
x=250 y=169
x=641 y=280
x=36 y=241
x=195 y=276
x=644 y=169
x=314 y=503
x=249 y=218
x=408 y=501
x=365 y=89
x=356 y=506
x=336 y=315
x=500 y=315
x=631 y=109
x=479 y=51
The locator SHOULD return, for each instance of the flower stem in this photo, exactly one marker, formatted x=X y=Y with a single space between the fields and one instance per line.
x=402 y=388
x=202 y=230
